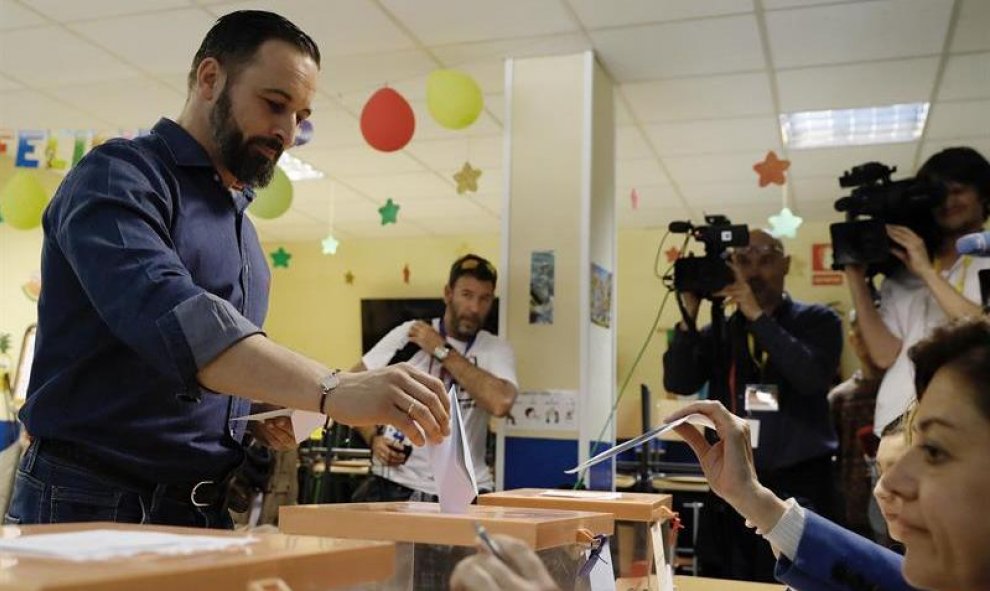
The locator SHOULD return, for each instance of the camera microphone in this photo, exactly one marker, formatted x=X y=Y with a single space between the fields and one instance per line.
x=977 y=243
x=680 y=227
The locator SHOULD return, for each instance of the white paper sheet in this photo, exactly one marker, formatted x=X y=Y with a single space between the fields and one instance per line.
x=106 y=544
x=694 y=419
x=304 y=422
x=451 y=462
x=601 y=577
x=582 y=494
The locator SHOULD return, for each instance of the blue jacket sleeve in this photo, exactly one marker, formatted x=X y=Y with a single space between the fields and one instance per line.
x=830 y=558
x=111 y=219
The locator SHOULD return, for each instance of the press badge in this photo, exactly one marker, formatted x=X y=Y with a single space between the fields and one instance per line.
x=762 y=398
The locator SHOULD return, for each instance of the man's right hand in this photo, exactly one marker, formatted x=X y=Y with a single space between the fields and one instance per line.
x=388 y=453
x=400 y=395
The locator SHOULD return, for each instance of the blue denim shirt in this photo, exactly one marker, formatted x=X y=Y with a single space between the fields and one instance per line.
x=150 y=270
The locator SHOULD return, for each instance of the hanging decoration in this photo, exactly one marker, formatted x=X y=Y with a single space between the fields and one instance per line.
x=274 y=200
x=330 y=244
x=32 y=288
x=772 y=169
x=23 y=200
x=280 y=258
x=387 y=120
x=672 y=254
x=784 y=223
x=405 y=274
x=56 y=150
x=467 y=179
x=389 y=212
x=304 y=134
x=453 y=98
x=634 y=198
x=349 y=278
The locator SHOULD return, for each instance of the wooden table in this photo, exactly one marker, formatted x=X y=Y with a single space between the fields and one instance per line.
x=682 y=583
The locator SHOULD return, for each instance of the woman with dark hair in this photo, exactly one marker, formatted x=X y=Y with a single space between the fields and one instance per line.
x=939 y=488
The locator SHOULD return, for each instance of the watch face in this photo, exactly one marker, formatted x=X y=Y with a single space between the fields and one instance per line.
x=330 y=382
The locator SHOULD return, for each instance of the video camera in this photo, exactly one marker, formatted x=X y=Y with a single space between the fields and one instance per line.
x=907 y=202
x=708 y=274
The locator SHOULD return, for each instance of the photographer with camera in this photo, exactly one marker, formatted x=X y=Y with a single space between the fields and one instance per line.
x=782 y=356
x=934 y=285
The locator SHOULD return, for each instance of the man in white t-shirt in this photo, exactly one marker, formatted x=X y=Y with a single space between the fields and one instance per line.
x=933 y=288
x=455 y=349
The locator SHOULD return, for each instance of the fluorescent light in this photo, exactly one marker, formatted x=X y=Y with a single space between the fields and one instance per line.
x=298 y=170
x=854 y=127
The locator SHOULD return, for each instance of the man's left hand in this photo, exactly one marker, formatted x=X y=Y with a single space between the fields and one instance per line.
x=741 y=294
x=276 y=433
x=915 y=255
x=425 y=337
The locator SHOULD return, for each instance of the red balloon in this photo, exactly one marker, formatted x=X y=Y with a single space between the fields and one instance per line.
x=387 y=121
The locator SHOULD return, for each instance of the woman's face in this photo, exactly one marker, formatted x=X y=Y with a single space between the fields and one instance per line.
x=891 y=448
x=940 y=488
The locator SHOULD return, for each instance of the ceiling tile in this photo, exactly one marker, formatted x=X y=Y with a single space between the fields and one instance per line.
x=715 y=136
x=633 y=173
x=341 y=27
x=817 y=211
x=350 y=207
x=28 y=109
x=401 y=187
x=15 y=16
x=712 y=195
x=359 y=160
x=966 y=77
x=52 y=56
x=867 y=30
x=779 y=4
x=454 y=208
x=622 y=115
x=700 y=98
x=958 y=120
x=333 y=127
x=475 y=225
x=441 y=22
x=650 y=197
x=596 y=14
x=818 y=190
x=458 y=54
x=162 y=42
x=857 y=85
x=652 y=217
x=832 y=162
x=687 y=48
x=482 y=152
x=971 y=27
x=128 y=103
x=630 y=145
x=374 y=229
x=8 y=84
x=687 y=170
x=64 y=12
x=341 y=74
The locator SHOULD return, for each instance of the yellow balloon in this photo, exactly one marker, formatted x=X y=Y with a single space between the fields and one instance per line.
x=23 y=200
x=275 y=199
x=454 y=99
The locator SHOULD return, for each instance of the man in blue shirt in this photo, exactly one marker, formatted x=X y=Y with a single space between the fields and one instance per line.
x=155 y=288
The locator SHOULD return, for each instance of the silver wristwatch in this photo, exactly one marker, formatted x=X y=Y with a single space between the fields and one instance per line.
x=441 y=352
x=327 y=386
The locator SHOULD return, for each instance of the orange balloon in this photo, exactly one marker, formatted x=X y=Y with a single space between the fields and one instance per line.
x=387 y=121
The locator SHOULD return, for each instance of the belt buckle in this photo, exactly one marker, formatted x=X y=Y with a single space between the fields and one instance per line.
x=192 y=494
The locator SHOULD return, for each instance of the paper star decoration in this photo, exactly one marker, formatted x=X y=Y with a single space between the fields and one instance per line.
x=280 y=258
x=672 y=253
x=349 y=278
x=771 y=170
x=389 y=212
x=405 y=274
x=784 y=223
x=330 y=244
x=467 y=179
x=634 y=198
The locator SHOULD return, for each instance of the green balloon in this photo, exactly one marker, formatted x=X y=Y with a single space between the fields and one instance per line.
x=273 y=200
x=23 y=200
x=453 y=98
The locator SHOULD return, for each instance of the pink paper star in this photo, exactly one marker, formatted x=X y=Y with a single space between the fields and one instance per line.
x=634 y=198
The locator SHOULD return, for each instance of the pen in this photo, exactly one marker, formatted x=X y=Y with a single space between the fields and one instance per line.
x=489 y=543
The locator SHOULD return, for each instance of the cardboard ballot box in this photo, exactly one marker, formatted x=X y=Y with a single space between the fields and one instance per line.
x=642 y=532
x=122 y=557
x=431 y=543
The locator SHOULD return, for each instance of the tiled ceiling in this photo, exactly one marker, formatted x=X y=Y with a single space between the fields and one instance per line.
x=699 y=87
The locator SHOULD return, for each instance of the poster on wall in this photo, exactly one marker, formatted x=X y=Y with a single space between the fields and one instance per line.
x=821 y=265
x=541 y=285
x=601 y=296
x=543 y=410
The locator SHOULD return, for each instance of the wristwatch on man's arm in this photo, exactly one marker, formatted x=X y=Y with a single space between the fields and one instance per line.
x=441 y=352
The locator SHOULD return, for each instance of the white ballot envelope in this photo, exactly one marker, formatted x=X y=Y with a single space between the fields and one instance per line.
x=453 y=469
x=304 y=422
x=694 y=419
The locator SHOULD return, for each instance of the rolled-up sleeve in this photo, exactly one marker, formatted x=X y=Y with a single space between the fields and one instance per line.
x=113 y=228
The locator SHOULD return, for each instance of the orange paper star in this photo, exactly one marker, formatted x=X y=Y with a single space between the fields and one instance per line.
x=771 y=170
x=672 y=253
x=405 y=274
x=349 y=278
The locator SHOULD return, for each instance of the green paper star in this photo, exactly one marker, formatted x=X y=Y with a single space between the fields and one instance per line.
x=389 y=212
x=784 y=223
x=349 y=278
x=280 y=258
x=467 y=179
x=330 y=244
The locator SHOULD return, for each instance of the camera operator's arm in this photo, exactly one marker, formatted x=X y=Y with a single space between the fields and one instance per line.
x=809 y=363
x=882 y=345
x=687 y=359
x=915 y=258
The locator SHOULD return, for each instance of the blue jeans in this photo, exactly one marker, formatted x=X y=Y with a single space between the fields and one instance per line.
x=51 y=490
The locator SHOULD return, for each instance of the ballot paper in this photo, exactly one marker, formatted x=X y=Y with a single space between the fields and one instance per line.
x=694 y=419
x=304 y=422
x=451 y=462
x=108 y=544
x=599 y=495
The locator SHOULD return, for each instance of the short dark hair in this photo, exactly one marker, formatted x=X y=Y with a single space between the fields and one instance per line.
x=962 y=346
x=963 y=165
x=236 y=37
x=474 y=266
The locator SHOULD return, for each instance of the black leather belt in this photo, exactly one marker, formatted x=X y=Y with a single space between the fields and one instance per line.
x=205 y=493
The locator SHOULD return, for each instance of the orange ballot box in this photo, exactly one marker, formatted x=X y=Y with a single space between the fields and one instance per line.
x=431 y=543
x=119 y=557
x=642 y=521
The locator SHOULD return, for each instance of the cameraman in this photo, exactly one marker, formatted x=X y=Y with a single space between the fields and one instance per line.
x=935 y=285
x=783 y=356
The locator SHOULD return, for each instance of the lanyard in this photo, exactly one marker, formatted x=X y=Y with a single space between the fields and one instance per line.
x=444 y=374
x=961 y=282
